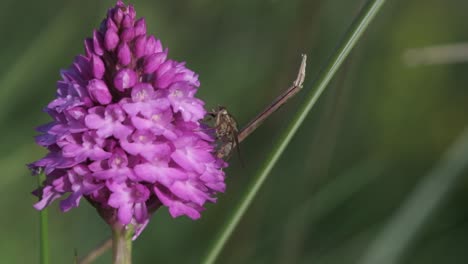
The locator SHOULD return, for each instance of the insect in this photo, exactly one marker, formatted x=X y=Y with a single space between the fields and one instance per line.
x=226 y=131
x=225 y=125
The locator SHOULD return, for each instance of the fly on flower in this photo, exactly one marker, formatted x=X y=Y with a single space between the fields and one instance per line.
x=226 y=131
x=225 y=125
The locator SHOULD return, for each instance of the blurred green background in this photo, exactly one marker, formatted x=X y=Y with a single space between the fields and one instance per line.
x=377 y=133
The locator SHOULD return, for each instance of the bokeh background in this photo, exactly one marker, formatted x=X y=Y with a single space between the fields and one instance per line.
x=358 y=182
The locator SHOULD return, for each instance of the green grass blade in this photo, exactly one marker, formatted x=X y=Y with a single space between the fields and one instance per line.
x=43 y=230
x=352 y=36
x=390 y=245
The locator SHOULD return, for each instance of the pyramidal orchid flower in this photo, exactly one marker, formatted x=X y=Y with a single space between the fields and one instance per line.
x=126 y=132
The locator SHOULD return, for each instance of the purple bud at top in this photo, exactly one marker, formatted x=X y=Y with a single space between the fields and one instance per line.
x=118 y=16
x=127 y=34
x=123 y=54
x=110 y=25
x=99 y=92
x=158 y=47
x=139 y=46
x=127 y=22
x=82 y=66
x=131 y=12
x=153 y=61
x=153 y=46
x=111 y=40
x=97 y=67
x=97 y=43
x=150 y=46
x=89 y=47
x=140 y=27
x=125 y=78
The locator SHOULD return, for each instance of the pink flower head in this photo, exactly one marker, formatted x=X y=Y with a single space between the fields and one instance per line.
x=126 y=132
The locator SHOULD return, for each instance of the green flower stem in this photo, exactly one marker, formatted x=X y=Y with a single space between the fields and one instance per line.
x=355 y=31
x=43 y=230
x=122 y=244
